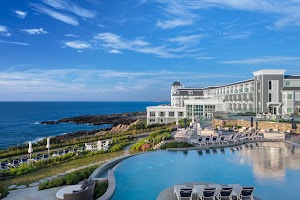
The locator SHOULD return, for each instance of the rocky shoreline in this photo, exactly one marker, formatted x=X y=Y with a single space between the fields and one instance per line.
x=119 y=122
x=114 y=119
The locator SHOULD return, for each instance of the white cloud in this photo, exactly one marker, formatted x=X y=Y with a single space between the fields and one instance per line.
x=115 y=51
x=20 y=14
x=263 y=60
x=78 y=45
x=166 y=24
x=187 y=40
x=238 y=36
x=113 y=41
x=34 y=31
x=4 y=31
x=16 y=43
x=71 y=35
x=286 y=12
x=71 y=7
x=176 y=47
x=54 y=14
x=92 y=84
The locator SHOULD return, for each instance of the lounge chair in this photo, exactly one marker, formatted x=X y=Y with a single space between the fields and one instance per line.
x=222 y=139
x=4 y=166
x=207 y=193
x=242 y=192
x=183 y=192
x=213 y=140
x=23 y=160
x=222 y=192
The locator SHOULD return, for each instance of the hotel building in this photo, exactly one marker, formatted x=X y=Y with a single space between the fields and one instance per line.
x=269 y=91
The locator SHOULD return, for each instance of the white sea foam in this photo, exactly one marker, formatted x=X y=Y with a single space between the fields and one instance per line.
x=63 y=133
x=36 y=123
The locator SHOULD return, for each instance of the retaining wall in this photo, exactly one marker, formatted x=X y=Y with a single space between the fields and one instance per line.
x=261 y=124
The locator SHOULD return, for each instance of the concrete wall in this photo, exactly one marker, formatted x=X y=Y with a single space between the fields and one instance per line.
x=261 y=124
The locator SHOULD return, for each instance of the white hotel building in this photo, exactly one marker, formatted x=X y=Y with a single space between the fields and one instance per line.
x=269 y=91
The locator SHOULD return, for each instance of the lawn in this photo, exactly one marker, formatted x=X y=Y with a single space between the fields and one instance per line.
x=53 y=170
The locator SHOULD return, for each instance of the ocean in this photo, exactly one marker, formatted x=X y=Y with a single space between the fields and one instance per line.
x=20 y=121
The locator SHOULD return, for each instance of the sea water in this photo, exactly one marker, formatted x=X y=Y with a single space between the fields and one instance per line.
x=20 y=121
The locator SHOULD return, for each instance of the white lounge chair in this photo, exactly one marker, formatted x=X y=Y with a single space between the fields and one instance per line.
x=242 y=192
x=183 y=192
x=222 y=192
x=204 y=192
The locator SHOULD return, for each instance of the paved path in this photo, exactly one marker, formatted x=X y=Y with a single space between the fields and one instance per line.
x=33 y=194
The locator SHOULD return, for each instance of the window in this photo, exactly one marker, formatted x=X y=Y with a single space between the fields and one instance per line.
x=190 y=92
x=289 y=110
x=152 y=114
x=162 y=114
x=270 y=85
x=288 y=83
x=171 y=114
x=270 y=97
x=180 y=114
x=290 y=96
x=152 y=120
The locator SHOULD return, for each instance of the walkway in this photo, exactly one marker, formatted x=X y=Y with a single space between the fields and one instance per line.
x=33 y=194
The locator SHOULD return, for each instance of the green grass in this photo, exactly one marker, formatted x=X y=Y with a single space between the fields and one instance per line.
x=53 y=170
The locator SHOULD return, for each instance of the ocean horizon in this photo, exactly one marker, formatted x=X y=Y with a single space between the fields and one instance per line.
x=20 y=120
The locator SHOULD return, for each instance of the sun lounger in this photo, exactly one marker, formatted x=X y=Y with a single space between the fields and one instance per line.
x=23 y=160
x=207 y=193
x=242 y=192
x=183 y=192
x=222 y=192
x=4 y=166
x=213 y=140
x=222 y=139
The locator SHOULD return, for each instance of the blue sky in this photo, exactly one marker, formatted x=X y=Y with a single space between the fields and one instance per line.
x=133 y=50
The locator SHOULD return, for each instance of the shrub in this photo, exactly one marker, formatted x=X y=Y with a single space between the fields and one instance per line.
x=3 y=191
x=176 y=145
x=69 y=179
x=72 y=179
x=100 y=189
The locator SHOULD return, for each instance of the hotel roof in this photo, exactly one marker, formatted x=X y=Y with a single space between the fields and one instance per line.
x=290 y=88
x=292 y=77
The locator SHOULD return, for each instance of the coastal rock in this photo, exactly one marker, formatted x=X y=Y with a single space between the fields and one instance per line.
x=50 y=122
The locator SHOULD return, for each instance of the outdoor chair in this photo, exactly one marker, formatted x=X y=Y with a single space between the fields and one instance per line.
x=183 y=192
x=241 y=192
x=207 y=193
x=246 y=193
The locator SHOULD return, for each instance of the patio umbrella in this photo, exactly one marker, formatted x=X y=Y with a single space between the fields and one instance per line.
x=177 y=123
x=30 y=150
x=99 y=145
x=48 y=145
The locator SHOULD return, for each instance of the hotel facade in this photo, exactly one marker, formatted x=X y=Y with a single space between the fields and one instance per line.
x=269 y=92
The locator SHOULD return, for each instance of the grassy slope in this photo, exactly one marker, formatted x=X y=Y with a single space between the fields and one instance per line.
x=50 y=171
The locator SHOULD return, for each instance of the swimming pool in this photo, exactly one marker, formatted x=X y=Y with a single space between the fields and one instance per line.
x=273 y=168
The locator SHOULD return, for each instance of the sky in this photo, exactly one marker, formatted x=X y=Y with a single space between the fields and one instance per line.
x=96 y=50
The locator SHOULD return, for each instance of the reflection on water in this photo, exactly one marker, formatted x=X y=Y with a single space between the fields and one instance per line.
x=269 y=159
x=200 y=153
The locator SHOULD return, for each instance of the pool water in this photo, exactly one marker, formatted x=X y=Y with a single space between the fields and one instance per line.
x=273 y=168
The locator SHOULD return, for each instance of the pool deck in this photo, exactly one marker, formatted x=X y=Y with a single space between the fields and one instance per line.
x=168 y=193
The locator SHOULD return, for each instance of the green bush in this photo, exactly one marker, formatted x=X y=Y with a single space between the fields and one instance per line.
x=72 y=179
x=3 y=191
x=100 y=189
x=69 y=179
x=176 y=145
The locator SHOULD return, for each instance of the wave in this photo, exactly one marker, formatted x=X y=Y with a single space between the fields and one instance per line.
x=63 y=133
x=36 y=123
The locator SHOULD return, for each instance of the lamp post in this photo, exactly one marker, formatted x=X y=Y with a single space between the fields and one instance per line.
x=177 y=123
